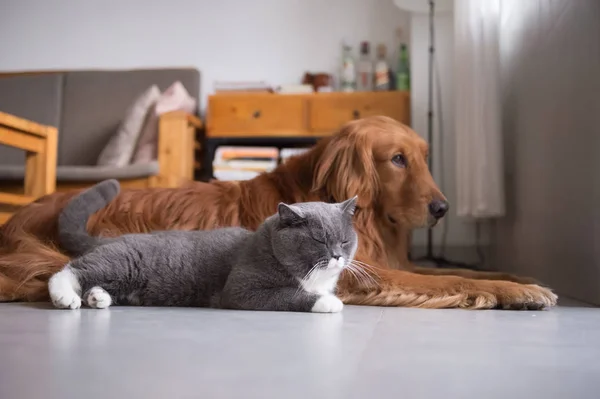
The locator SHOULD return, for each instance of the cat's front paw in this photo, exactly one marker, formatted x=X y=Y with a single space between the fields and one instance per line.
x=66 y=299
x=62 y=289
x=98 y=298
x=327 y=304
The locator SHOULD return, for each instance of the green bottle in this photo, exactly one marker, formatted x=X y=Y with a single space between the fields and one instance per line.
x=403 y=72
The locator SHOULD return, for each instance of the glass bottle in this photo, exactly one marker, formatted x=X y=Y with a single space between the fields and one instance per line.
x=348 y=72
x=403 y=72
x=382 y=70
x=365 y=69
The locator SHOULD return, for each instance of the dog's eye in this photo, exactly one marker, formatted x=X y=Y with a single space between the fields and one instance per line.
x=399 y=160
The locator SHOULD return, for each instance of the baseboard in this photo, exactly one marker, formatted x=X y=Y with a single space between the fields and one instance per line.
x=465 y=254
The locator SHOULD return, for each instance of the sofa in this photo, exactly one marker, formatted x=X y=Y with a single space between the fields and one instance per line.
x=87 y=107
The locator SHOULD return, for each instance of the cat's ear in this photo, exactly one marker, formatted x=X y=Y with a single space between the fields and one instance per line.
x=349 y=206
x=289 y=214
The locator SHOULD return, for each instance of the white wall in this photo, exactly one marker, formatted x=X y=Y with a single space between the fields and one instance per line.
x=272 y=40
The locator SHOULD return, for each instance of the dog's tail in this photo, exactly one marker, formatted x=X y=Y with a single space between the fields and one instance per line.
x=72 y=222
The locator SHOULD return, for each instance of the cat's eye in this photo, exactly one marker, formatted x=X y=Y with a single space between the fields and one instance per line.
x=319 y=241
x=346 y=242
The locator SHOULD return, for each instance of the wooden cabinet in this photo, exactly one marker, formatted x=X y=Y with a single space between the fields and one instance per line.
x=285 y=115
x=256 y=115
x=328 y=113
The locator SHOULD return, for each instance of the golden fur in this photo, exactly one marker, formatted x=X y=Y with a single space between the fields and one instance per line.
x=355 y=161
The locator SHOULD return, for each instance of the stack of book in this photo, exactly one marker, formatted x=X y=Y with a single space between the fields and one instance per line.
x=294 y=89
x=287 y=153
x=242 y=87
x=243 y=163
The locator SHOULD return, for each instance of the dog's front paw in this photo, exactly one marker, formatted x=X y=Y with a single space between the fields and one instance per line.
x=327 y=304
x=508 y=295
x=527 y=297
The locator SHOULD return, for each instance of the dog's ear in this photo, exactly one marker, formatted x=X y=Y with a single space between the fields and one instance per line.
x=346 y=168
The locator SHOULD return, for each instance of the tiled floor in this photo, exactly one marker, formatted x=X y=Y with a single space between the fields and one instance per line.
x=364 y=352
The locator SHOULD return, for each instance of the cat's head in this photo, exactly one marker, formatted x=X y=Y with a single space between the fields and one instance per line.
x=314 y=236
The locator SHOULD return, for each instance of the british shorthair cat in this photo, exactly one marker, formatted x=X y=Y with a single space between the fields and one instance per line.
x=292 y=262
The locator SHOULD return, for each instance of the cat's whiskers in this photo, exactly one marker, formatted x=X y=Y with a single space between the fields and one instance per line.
x=359 y=268
x=317 y=265
x=369 y=278
x=359 y=277
x=365 y=268
x=372 y=270
x=309 y=274
x=353 y=273
x=365 y=265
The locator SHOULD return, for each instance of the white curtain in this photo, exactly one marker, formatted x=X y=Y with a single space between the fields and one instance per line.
x=479 y=154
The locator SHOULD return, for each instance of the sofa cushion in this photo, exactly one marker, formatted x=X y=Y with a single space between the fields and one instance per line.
x=86 y=173
x=33 y=97
x=95 y=103
x=121 y=146
x=175 y=98
x=146 y=149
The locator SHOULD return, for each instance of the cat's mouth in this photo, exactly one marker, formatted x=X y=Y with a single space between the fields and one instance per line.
x=336 y=263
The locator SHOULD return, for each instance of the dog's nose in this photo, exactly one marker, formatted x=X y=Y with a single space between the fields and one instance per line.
x=438 y=208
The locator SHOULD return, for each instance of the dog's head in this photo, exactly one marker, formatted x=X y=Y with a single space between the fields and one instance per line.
x=384 y=163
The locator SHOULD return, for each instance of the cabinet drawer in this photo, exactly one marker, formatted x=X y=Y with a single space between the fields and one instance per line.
x=328 y=112
x=256 y=115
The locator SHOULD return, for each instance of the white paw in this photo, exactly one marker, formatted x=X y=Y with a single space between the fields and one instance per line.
x=327 y=304
x=66 y=299
x=62 y=289
x=98 y=298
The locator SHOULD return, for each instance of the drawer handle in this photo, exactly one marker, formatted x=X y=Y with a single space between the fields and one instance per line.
x=356 y=114
x=256 y=114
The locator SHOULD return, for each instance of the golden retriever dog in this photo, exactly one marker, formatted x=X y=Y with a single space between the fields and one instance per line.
x=380 y=160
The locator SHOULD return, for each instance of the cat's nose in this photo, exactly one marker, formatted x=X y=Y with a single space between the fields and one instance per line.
x=337 y=261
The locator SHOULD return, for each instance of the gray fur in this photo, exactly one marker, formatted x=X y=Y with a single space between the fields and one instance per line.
x=73 y=220
x=226 y=268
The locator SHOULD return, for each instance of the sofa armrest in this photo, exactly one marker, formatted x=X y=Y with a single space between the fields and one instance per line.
x=40 y=144
x=176 y=136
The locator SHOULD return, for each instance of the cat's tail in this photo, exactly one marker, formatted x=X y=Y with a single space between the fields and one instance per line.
x=72 y=222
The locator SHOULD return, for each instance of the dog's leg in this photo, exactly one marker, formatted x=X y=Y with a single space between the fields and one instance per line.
x=474 y=274
x=400 y=288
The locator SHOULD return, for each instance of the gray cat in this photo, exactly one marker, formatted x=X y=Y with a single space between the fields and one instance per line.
x=291 y=263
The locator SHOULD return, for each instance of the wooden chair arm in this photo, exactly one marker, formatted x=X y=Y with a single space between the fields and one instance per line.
x=176 y=146
x=40 y=143
x=16 y=124
x=23 y=134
